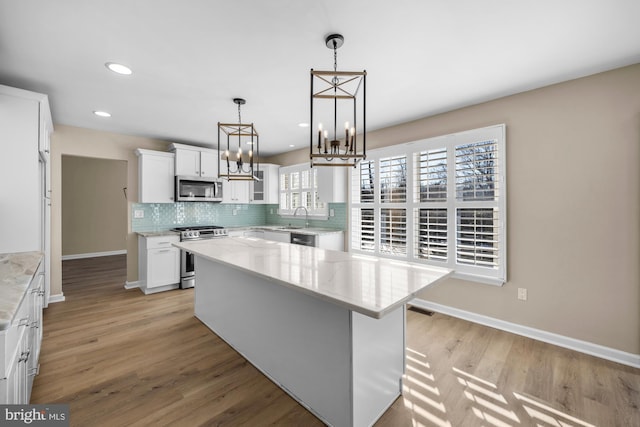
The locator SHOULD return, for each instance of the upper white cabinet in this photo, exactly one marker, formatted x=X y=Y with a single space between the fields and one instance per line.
x=25 y=126
x=156 y=176
x=265 y=189
x=332 y=184
x=195 y=161
x=235 y=191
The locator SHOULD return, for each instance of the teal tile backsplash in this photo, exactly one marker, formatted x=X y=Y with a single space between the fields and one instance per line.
x=163 y=216
x=338 y=221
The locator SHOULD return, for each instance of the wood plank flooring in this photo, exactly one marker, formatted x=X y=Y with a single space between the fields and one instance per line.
x=120 y=358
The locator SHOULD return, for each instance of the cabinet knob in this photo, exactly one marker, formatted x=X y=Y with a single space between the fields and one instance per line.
x=24 y=356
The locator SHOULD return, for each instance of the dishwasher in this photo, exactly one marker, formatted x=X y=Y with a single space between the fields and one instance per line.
x=303 y=239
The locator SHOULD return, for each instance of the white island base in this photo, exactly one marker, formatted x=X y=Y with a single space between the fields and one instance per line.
x=345 y=367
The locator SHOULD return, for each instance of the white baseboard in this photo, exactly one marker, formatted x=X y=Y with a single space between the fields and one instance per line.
x=132 y=285
x=56 y=298
x=93 y=254
x=592 y=349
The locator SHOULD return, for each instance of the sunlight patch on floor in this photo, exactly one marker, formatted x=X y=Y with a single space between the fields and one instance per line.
x=547 y=414
x=490 y=405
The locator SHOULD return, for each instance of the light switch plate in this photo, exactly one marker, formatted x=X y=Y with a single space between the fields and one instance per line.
x=138 y=213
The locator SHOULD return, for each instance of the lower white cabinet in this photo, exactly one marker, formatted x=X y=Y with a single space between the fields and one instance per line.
x=20 y=345
x=277 y=236
x=158 y=263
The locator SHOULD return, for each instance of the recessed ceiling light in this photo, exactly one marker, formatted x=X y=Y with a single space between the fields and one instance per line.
x=118 y=68
x=102 y=113
x=303 y=125
x=292 y=145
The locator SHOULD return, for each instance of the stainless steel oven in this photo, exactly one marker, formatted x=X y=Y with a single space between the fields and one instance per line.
x=187 y=259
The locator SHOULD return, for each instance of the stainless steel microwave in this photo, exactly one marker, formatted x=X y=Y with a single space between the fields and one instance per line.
x=198 y=189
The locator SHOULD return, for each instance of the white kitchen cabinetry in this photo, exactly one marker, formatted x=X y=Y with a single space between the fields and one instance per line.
x=25 y=125
x=20 y=345
x=265 y=190
x=156 y=177
x=332 y=184
x=235 y=191
x=158 y=263
x=277 y=236
x=195 y=161
x=333 y=241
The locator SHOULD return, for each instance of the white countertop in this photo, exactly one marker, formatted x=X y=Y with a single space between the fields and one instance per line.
x=288 y=229
x=16 y=272
x=369 y=285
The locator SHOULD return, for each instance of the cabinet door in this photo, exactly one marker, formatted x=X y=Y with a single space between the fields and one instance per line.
x=332 y=184
x=235 y=191
x=333 y=241
x=258 y=187
x=20 y=201
x=209 y=164
x=163 y=267
x=157 y=178
x=278 y=236
x=188 y=162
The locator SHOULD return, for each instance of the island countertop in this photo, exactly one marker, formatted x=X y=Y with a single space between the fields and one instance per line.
x=369 y=285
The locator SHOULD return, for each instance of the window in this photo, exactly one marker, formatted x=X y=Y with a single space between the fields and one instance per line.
x=299 y=188
x=439 y=201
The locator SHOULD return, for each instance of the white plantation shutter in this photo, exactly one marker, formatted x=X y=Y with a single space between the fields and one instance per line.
x=367 y=179
x=363 y=220
x=431 y=234
x=453 y=188
x=431 y=177
x=393 y=179
x=477 y=237
x=393 y=231
x=477 y=170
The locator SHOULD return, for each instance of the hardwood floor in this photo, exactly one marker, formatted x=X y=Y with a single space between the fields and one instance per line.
x=120 y=358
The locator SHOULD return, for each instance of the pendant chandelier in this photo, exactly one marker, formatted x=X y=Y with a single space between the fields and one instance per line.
x=235 y=163
x=338 y=104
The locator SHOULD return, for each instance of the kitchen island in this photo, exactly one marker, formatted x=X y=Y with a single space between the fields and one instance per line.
x=326 y=326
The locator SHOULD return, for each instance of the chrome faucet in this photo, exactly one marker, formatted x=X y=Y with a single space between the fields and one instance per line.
x=306 y=215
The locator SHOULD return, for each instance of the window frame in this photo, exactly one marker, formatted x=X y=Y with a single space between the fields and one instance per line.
x=478 y=273
x=319 y=212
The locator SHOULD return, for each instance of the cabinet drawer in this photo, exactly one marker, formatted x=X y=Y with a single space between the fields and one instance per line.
x=10 y=338
x=158 y=242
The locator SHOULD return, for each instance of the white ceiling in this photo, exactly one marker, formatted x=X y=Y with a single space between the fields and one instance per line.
x=191 y=57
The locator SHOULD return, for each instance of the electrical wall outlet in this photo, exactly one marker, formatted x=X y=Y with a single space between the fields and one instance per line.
x=522 y=294
x=332 y=212
x=138 y=213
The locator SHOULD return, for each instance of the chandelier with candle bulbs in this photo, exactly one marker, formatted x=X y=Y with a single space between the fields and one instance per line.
x=235 y=163
x=338 y=108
